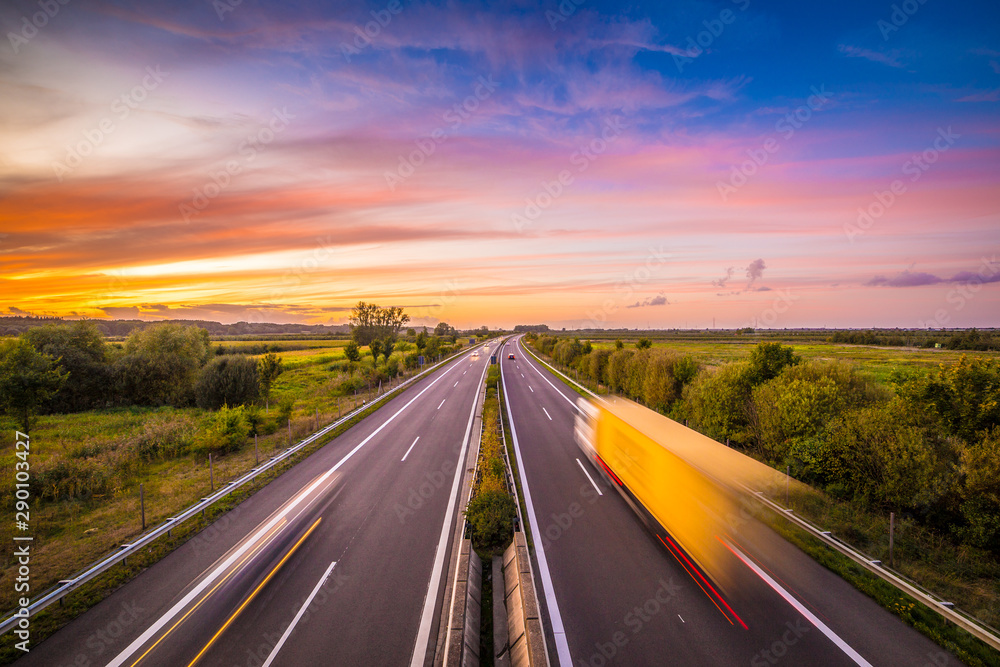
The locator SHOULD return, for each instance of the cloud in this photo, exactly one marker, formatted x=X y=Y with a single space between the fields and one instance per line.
x=17 y=311
x=755 y=271
x=982 y=96
x=658 y=300
x=909 y=278
x=721 y=282
x=121 y=312
x=892 y=60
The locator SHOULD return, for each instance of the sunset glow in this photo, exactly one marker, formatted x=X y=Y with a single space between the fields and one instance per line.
x=670 y=165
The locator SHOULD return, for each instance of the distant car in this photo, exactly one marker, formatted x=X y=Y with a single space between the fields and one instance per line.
x=510 y=356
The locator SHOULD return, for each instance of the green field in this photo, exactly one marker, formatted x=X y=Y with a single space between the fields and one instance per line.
x=881 y=362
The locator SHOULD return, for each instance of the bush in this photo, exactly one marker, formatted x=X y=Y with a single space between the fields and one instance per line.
x=229 y=430
x=981 y=492
x=717 y=402
x=61 y=478
x=491 y=515
x=81 y=350
x=161 y=439
x=161 y=365
x=228 y=380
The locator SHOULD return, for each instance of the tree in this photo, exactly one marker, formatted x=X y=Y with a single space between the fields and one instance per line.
x=269 y=368
x=370 y=321
x=81 y=351
x=643 y=343
x=768 y=359
x=717 y=402
x=619 y=344
x=352 y=352
x=981 y=492
x=28 y=378
x=230 y=380
x=161 y=364
x=387 y=347
x=444 y=329
x=421 y=340
x=375 y=347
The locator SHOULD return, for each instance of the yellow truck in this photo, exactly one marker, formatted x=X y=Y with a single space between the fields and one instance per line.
x=682 y=483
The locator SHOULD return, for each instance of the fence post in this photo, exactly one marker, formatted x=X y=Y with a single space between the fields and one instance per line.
x=892 y=529
x=142 y=505
x=788 y=474
x=256 y=452
x=211 y=473
x=289 y=431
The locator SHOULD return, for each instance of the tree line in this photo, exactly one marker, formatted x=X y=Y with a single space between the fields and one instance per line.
x=71 y=368
x=969 y=339
x=924 y=444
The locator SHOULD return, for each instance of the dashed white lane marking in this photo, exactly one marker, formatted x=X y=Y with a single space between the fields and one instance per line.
x=408 y=450
x=589 y=477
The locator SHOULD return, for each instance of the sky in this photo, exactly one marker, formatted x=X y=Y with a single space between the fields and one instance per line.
x=581 y=164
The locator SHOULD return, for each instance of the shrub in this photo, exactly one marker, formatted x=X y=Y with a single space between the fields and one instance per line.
x=160 y=365
x=228 y=380
x=81 y=350
x=491 y=515
x=228 y=432
x=161 y=439
x=717 y=402
x=61 y=478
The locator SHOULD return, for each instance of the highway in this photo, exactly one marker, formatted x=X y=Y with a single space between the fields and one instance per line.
x=616 y=592
x=339 y=561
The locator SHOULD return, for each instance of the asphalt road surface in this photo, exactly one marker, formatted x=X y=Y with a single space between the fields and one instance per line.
x=330 y=564
x=617 y=593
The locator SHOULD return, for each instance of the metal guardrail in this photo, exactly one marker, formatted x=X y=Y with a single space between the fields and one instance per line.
x=67 y=586
x=973 y=626
x=970 y=624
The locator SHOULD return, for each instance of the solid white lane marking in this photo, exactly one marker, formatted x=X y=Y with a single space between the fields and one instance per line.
x=558 y=630
x=589 y=477
x=298 y=616
x=430 y=599
x=831 y=635
x=568 y=400
x=547 y=414
x=197 y=590
x=408 y=450
x=442 y=403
